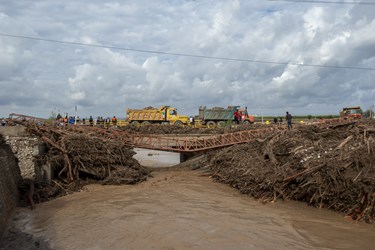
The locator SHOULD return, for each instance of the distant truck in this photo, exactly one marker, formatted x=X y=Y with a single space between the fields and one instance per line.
x=218 y=116
x=351 y=112
x=150 y=115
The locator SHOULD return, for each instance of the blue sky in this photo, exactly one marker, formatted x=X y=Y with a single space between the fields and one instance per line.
x=286 y=51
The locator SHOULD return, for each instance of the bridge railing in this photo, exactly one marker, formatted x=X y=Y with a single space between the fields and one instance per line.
x=199 y=143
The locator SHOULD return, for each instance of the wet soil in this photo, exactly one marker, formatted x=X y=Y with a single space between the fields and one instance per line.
x=186 y=210
x=15 y=239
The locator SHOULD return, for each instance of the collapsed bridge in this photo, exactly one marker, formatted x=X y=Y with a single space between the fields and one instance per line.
x=187 y=143
x=197 y=143
x=191 y=143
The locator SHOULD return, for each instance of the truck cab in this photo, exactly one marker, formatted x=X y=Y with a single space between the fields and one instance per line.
x=351 y=112
x=172 y=116
x=245 y=117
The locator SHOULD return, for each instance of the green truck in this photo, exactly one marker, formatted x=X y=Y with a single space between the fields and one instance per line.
x=218 y=116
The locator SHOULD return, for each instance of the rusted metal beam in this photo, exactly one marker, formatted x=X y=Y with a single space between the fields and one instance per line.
x=192 y=144
x=188 y=143
x=198 y=144
x=14 y=116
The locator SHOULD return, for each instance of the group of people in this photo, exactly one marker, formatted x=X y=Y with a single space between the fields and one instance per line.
x=100 y=121
x=288 y=118
x=64 y=121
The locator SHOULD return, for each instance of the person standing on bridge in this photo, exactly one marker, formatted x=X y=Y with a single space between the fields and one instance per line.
x=114 y=121
x=288 y=119
x=275 y=120
x=237 y=116
x=191 y=120
x=58 y=120
x=91 y=121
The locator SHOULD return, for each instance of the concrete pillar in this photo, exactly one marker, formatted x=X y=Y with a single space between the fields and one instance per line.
x=182 y=157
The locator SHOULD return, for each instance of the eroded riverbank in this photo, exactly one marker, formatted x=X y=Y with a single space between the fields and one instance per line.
x=184 y=210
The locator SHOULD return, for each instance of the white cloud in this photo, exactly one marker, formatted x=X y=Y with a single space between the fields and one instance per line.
x=36 y=76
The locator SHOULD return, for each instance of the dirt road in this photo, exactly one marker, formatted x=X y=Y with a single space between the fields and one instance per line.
x=184 y=210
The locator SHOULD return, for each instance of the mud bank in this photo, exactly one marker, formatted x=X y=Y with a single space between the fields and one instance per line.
x=9 y=178
x=15 y=239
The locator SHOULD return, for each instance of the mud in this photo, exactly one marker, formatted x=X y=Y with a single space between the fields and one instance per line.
x=9 y=178
x=15 y=239
x=186 y=210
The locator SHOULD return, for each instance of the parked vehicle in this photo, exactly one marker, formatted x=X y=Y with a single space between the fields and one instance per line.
x=351 y=112
x=219 y=116
x=150 y=115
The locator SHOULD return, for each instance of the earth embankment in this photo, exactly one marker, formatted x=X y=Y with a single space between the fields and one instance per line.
x=9 y=178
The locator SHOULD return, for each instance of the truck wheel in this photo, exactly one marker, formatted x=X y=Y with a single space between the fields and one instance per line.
x=246 y=122
x=135 y=123
x=178 y=123
x=146 y=123
x=221 y=124
x=211 y=124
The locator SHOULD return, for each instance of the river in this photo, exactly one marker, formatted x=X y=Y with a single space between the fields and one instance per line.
x=186 y=210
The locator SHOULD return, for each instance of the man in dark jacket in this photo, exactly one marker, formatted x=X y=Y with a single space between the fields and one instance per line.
x=91 y=121
x=288 y=119
x=237 y=116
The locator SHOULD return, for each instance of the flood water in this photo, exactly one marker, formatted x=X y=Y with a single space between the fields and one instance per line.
x=156 y=158
x=185 y=210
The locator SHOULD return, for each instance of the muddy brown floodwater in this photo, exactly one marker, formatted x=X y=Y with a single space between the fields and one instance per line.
x=185 y=210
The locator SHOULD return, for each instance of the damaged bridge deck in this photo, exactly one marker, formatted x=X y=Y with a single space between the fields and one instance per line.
x=198 y=143
x=187 y=143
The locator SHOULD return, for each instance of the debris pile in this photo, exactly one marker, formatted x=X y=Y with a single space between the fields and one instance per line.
x=171 y=129
x=332 y=167
x=78 y=156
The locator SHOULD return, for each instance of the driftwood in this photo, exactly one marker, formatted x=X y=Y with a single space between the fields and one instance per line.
x=81 y=154
x=330 y=167
x=344 y=142
x=269 y=148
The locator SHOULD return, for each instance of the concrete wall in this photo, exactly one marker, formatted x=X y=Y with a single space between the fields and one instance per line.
x=9 y=178
x=17 y=152
x=25 y=148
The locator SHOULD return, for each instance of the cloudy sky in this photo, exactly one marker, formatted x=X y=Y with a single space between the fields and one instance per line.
x=106 y=56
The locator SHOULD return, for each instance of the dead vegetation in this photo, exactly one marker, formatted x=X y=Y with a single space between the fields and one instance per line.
x=331 y=167
x=83 y=155
x=171 y=129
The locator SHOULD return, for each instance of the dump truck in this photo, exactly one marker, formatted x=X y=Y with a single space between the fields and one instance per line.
x=219 y=116
x=351 y=112
x=151 y=115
